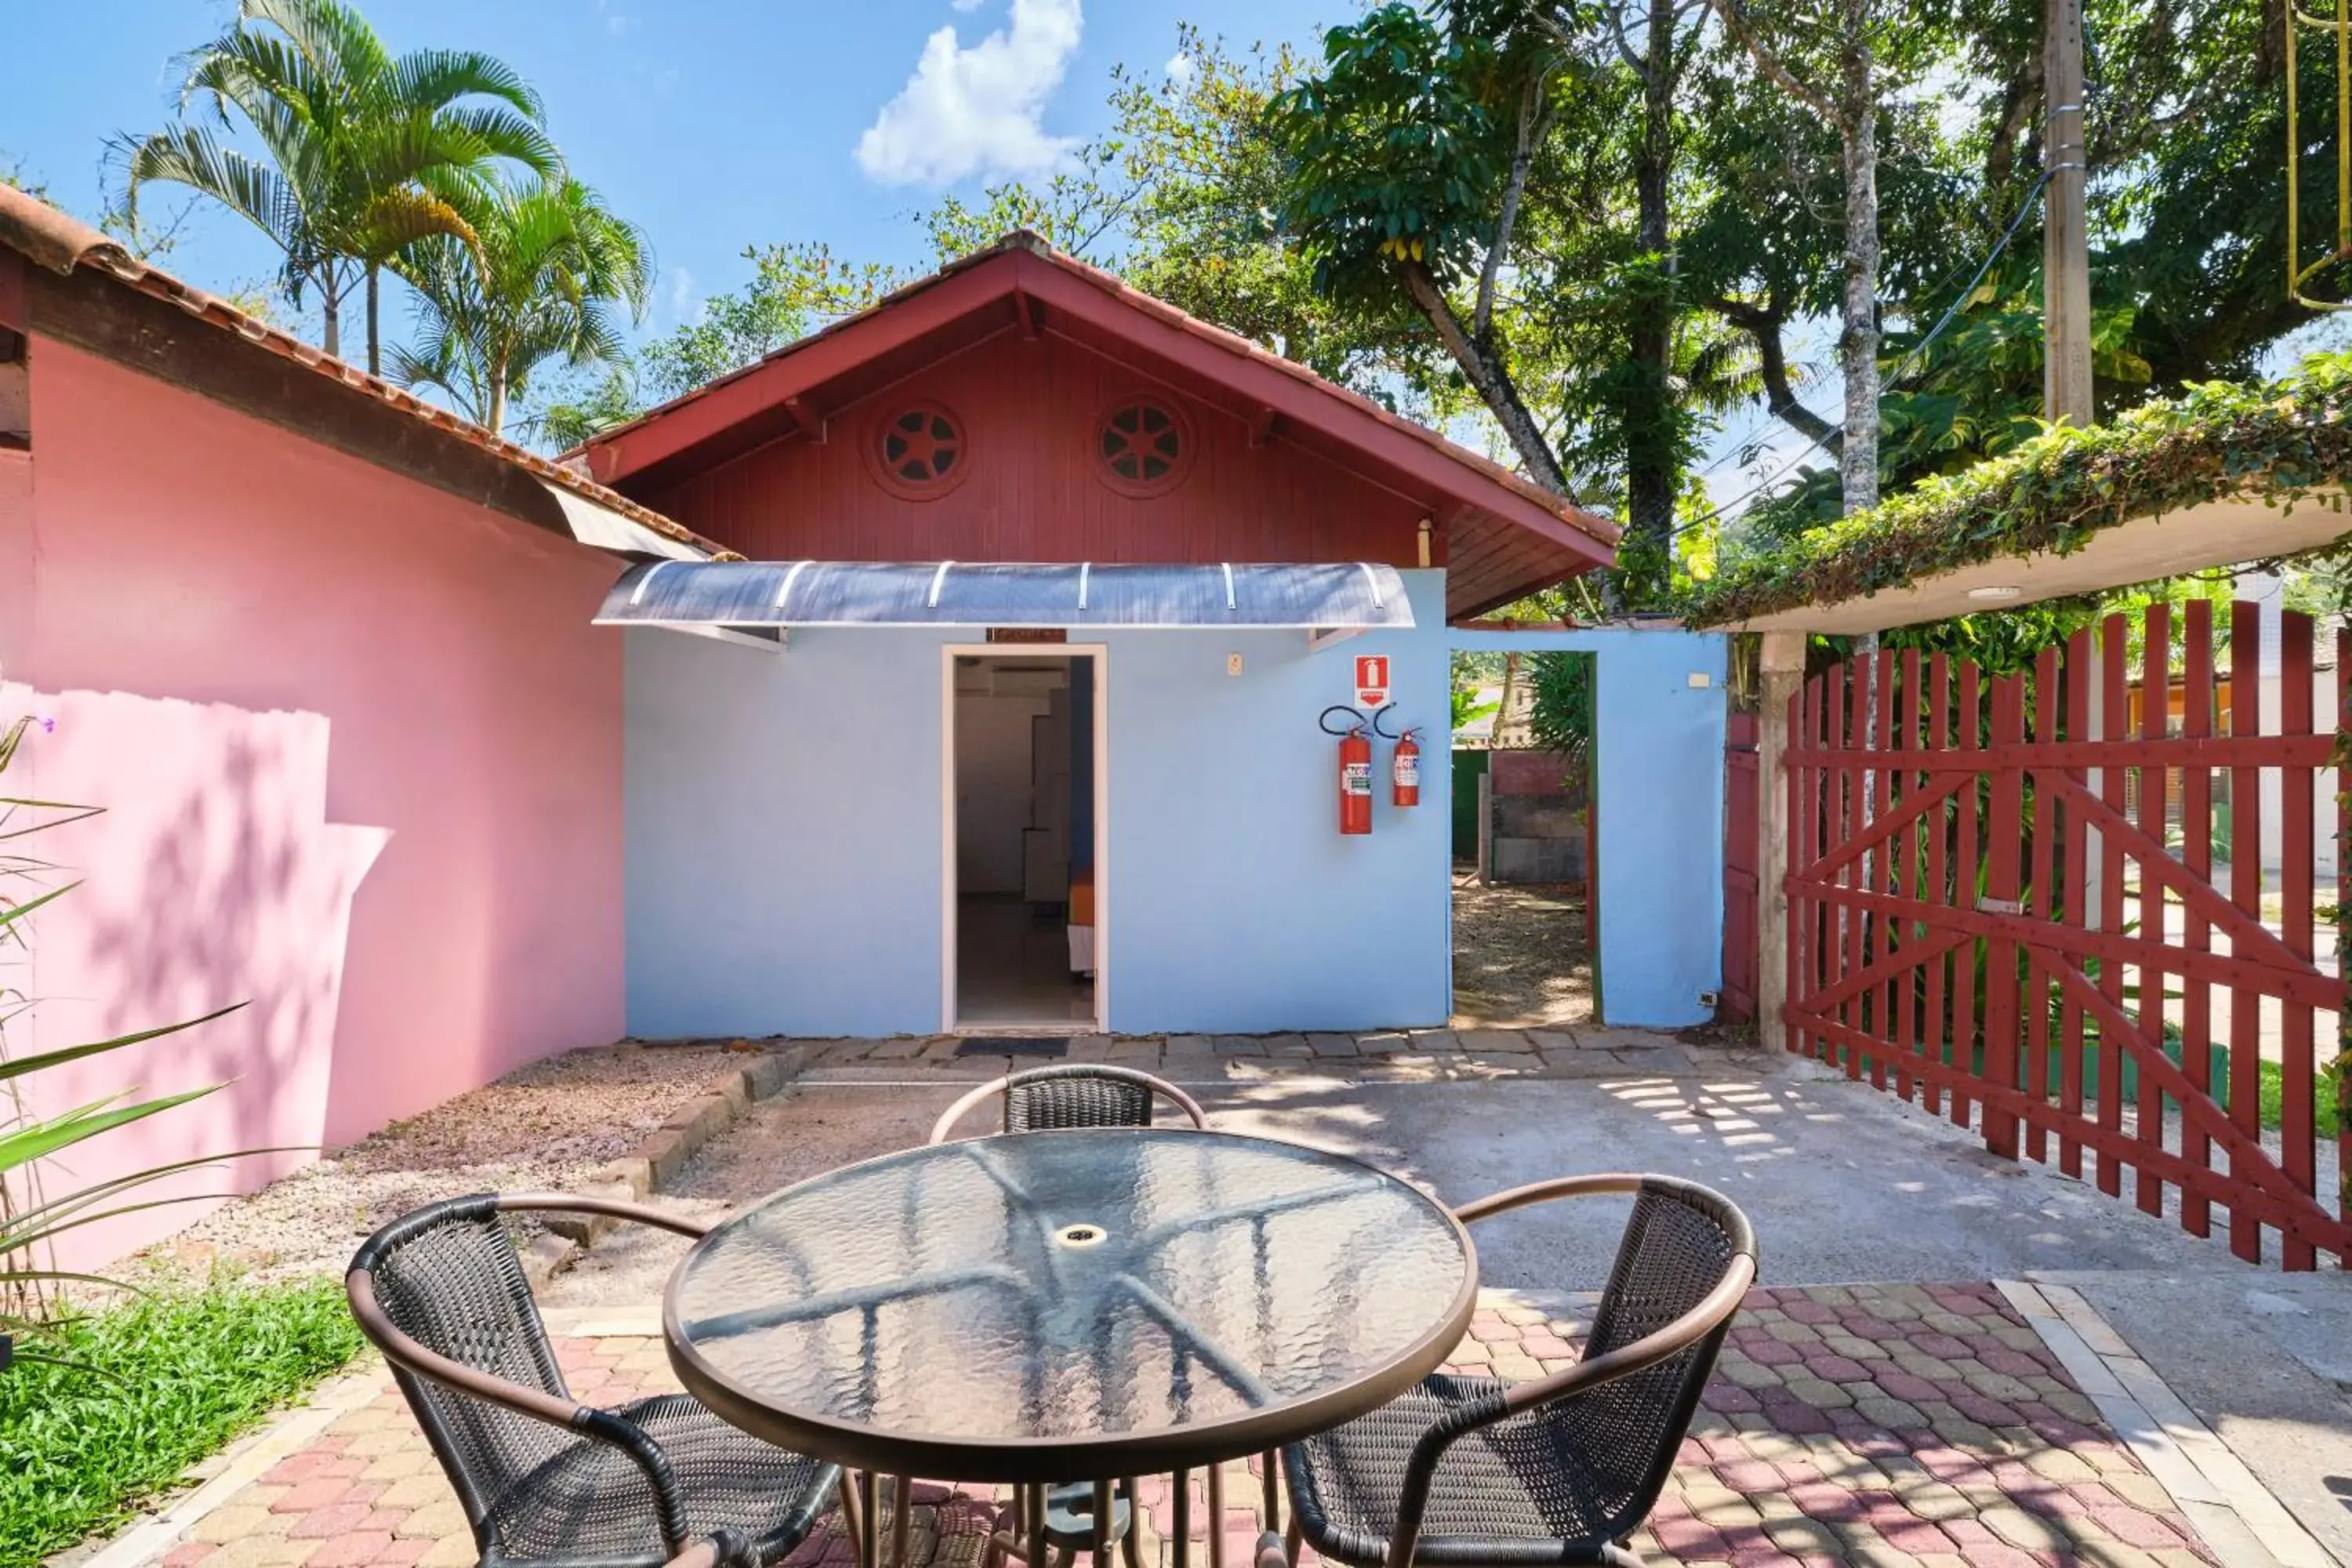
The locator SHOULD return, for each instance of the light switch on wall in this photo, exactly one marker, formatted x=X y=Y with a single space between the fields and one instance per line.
x=1700 y=678
x=1233 y=664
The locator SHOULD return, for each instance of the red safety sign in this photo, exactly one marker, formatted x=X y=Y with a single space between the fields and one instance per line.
x=1371 y=680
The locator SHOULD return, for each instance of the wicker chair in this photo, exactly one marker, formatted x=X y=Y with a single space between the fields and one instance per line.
x=1076 y=1094
x=542 y=1478
x=1467 y=1472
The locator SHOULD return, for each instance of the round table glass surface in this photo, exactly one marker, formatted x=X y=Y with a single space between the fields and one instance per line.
x=999 y=1308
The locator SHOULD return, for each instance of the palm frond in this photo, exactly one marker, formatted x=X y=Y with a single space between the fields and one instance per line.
x=438 y=78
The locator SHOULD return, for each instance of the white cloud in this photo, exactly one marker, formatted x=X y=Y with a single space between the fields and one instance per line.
x=977 y=110
x=681 y=301
x=1181 y=68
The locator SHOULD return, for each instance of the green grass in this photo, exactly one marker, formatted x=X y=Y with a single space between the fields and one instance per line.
x=2323 y=1097
x=170 y=1378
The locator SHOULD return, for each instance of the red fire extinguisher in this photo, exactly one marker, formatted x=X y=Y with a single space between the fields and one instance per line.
x=1404 y=771
x=1355 y=770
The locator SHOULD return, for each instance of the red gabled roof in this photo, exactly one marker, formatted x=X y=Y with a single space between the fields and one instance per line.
x=1506 y=534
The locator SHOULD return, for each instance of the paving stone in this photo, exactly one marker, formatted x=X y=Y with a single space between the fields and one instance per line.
x=1333 y=1044
x=450 y=1552
x=2026 y=1531
x=1506 y=1042
x=1387 y=1043
x=237 y=1521
x=1432 y=1040
x=337 y=1519
x=268 y=1552
x=443 y=1516
x=1239 y=1045
x=1884 y=1412
x=1819 y=1393
x=1550 y=1040
x=354 y=1549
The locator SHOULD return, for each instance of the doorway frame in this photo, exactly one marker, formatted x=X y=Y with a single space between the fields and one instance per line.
x=1100 y=654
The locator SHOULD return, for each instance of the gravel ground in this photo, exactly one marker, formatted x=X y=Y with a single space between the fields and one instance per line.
x=544 y=1125
x=1519 y=959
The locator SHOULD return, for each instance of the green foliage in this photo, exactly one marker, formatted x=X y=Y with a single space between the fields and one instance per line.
x=2280 y=443
x=359 y=147
x=1561 y=719
x=153 y=1385
x=547 y=272
x=1394 y=155
x=794 y=289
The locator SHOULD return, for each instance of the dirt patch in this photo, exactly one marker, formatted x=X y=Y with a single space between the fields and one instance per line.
x=545 y=1125
x=1519 y=958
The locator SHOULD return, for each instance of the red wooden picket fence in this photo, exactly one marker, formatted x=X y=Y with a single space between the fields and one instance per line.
x=1985 y=915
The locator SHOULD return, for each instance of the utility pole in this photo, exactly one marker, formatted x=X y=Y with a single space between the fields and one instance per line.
x=2065 y=237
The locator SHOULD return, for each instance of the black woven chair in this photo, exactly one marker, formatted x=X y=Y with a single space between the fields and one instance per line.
x=1074 y=1094
x=544 y=1479
x=1468 y=1472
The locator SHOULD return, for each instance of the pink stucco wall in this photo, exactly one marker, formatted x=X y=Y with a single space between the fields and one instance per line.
x=361 y=753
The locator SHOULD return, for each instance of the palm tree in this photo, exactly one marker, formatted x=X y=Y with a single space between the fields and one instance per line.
x=361 y=151
x=541 y=281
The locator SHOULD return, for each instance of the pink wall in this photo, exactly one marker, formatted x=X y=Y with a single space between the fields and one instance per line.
x=360 y=750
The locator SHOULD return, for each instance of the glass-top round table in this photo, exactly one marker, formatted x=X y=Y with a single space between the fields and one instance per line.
x=1064 y=1305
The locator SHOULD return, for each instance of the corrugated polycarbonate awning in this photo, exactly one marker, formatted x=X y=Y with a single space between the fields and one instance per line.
x=752 y=595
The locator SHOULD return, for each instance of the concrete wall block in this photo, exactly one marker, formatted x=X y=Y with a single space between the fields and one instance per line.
x=1527 y=772
x=1536 y=816
x=1538 y=859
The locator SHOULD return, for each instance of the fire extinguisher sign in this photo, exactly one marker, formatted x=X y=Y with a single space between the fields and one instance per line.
x=1371 y=680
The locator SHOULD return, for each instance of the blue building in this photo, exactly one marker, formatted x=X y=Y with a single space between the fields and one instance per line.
x=1016 y=711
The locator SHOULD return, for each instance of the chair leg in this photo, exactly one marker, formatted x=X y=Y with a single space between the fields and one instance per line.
x=857 y=1504
x=1217 y=1516
x=1272 y=1463
x=1179 y=1550
x=902 y=1520
x=1131 y=1546
x=1293 y=1539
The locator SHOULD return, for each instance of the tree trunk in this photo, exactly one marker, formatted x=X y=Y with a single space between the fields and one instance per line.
x=1488 y=377
x=376 y=354
x=494 y=416
x=1651 y=448
x=330 y=313
x=1858 y=340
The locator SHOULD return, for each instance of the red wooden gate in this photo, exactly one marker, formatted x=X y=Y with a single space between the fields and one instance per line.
x=1985 y=913
x=1741 y=864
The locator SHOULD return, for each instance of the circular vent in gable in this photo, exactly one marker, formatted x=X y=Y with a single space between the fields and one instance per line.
x=1143 y=446
x=919 y=450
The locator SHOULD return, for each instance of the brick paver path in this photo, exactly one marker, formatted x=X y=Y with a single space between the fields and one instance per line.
x=1867 y=1424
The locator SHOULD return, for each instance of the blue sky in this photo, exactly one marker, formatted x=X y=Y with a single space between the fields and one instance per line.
x=714 y=123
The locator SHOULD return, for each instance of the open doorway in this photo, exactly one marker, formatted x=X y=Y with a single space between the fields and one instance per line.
x=1526 y=840
x=1023 y=750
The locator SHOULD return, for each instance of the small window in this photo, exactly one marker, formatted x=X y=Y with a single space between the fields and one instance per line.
x=919 y=451
x=1143 y=446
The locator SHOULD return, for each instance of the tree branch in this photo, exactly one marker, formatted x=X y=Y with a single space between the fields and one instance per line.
x=1762 y=323
x=1734 y=21
x=1485 y=372
x=1626 y=49
x=1523 y=157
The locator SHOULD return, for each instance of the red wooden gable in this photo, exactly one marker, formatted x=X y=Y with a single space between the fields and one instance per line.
x=1020 y=406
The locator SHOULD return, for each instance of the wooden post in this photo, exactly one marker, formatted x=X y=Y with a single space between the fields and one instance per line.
x=2066 y=251
x=1783 y=672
